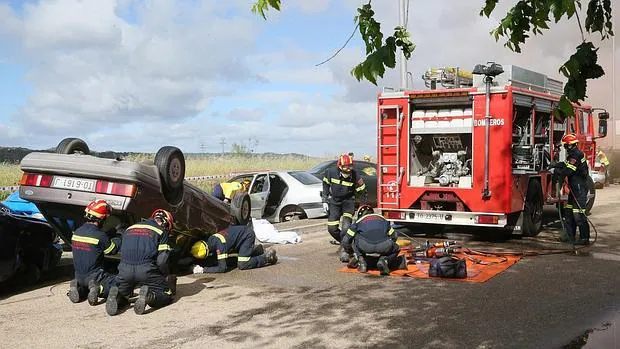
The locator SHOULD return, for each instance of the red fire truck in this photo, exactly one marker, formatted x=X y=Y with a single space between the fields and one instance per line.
x=475 y=151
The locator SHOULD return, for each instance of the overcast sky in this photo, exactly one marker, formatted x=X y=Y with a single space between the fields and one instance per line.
x=134 y=75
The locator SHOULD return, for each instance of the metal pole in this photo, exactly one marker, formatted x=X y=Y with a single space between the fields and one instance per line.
x=613 y=86
x=403 y=62
x=486 y=194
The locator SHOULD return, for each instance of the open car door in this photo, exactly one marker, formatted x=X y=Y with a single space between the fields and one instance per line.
x=259 y=191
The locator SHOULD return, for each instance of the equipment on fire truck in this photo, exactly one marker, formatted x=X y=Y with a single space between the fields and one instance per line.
x=448 y=77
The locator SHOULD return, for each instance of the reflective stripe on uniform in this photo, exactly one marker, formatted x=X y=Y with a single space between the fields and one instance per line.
x=335 y=181
x=110 y=248
x=333 y=222
x=164 y=247
x=85 y=239
x=351 y=232
x=346 y=184
x=243 y=259
x=325 y=180
x=348 y=215
x=222 y=256
x=221 y=237
x=579 y=210
x=146 y=226
x=361 y=187
x=568 y=206
x=168 y=292
x=568 y=165
x=391 y=231
x=583 y=159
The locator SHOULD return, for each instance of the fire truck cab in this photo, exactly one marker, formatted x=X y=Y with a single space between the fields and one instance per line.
x=473 y=149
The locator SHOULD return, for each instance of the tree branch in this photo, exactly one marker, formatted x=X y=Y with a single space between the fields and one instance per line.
x=583 y=37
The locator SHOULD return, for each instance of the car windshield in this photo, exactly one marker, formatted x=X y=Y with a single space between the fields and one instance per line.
x=304 y=177
x=320 y=167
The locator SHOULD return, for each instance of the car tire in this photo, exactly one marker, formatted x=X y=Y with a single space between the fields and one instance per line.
x=72 y=146
x=241 y=208
x=533 y=209
x=286 y=214
x=171 y=165
x=592 y=191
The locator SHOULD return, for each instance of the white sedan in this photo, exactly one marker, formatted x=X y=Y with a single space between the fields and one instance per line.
x=280 y=196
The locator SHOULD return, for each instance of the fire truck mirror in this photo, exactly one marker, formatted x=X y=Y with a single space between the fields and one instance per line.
x=602 y=124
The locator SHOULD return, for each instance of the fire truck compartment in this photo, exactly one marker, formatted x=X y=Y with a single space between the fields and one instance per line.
x=441 y=147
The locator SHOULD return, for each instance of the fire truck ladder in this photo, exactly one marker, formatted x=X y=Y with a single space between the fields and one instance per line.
x=390 y=125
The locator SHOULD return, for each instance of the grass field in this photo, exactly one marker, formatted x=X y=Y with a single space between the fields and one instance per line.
x=199 y=166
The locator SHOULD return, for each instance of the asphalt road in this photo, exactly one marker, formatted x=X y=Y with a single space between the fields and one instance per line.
x=304 y=302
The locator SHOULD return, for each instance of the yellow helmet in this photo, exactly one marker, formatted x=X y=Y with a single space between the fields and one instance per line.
x=200 y=250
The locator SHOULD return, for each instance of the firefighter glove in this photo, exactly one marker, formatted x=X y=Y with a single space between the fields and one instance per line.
x=325 y=207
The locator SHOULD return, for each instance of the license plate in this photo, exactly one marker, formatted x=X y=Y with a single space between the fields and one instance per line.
x=430 y=216
x=74 y=183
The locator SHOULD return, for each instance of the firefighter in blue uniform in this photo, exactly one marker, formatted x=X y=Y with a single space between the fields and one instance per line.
x=575 y=168
x=144 y=261
x=340 y=186
x=372 y=234
x=234 y=241
x=89 y=244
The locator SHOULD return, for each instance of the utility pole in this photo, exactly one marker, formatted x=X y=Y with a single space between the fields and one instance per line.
x=613 y=86
x=223 y=144
x=402 y=14
x=202 y=147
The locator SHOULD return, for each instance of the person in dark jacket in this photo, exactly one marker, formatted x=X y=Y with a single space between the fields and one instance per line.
x=144 y=262
x=89 y=244
x=575 y=169
x=234 y=241
x=372 y=234
x=340 y=186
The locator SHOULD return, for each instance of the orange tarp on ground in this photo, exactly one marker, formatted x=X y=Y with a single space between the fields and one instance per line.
x=480 y=269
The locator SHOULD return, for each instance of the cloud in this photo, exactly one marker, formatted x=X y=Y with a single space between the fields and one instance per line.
x=92 y=66
x=245 y=114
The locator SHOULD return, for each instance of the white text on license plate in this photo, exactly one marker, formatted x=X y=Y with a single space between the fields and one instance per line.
x=74 y=183
x=430 y=216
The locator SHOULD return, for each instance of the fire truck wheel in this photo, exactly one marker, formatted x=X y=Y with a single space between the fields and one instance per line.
x=533 y=210
x=592 y=192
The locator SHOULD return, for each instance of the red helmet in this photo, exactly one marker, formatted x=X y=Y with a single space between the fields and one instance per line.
x=345 y=162
x=364 y=210
x=164 y=216
x=569 y=139
x=98 y=209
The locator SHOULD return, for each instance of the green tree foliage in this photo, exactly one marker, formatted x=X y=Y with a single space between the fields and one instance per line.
x=524 y=18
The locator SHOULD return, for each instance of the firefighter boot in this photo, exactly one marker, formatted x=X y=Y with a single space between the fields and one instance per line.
x=271 y=256
x=383 y=266
x=343 y=255
x=114 y=301
x=402 y=262
x=353 y=262
x=146 y=297
x=257 y=250
x=172 y=283
x=73 y=294
x=93 y=292
x=362 y=267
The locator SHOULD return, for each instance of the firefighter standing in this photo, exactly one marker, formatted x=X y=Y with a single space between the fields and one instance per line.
x=575 y=168
x=372 y=234
x=340 y=185
x=89 y=245
x=235 y=241
x=225 y=191
x=144 y=261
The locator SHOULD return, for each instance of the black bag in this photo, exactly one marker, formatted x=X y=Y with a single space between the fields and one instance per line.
x=448 y=267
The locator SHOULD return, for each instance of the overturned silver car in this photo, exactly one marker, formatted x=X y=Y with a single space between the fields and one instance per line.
x=61 y=184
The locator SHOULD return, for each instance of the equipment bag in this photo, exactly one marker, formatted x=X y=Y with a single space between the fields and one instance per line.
x=448 y=267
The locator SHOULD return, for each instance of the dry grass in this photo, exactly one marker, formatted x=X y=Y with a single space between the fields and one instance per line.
x=199 y=166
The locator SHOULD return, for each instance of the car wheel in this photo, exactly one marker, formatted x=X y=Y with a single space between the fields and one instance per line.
x=241 y=208
x=171 y=165
x=72 y=146
x=292 y=213
x=533 y=210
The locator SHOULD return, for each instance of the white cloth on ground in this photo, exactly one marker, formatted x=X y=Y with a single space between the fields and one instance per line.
x=267 y=233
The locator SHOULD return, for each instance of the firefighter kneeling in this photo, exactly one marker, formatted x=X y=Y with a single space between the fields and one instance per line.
x=372 y=234
x=339 y=189
x=144 y=261
x=236 y=240
x=575 y=168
